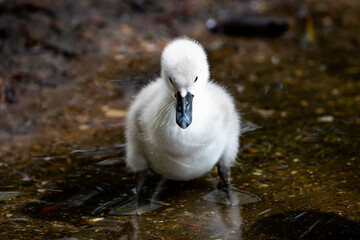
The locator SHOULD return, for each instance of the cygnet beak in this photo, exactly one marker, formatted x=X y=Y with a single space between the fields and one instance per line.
x=184 y=110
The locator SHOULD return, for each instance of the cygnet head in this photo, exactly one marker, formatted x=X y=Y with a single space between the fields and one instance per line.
x=185 y=69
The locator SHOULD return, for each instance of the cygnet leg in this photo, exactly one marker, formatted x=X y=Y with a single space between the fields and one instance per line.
x=140 y=178
x=225 y=175
x=137 y=205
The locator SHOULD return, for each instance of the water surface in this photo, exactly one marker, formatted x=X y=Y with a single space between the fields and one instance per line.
x=63 y=152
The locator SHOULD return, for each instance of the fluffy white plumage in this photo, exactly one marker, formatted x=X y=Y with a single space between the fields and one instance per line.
x=155 y=140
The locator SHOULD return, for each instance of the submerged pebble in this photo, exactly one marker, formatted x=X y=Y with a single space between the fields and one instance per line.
x=326 y=119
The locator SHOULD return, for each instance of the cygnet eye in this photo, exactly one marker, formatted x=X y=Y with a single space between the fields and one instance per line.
x=170 y=80
x=196 y=79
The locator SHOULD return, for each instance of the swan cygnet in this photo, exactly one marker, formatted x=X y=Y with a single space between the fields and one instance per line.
x=182 y=125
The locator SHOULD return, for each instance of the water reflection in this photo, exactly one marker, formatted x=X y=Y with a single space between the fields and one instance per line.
x=206 y=220
x=226 y=221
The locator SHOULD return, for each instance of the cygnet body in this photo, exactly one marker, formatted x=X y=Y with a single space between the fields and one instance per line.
x=181 y=125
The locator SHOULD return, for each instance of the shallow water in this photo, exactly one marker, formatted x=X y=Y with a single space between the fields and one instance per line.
x=62 y=175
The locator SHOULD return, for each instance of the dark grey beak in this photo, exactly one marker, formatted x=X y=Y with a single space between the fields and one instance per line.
x=184 y=110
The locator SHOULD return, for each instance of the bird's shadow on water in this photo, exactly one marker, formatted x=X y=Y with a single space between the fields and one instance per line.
x=99 y=187
x=306 y=225
x=73 y=200
x=93 y=177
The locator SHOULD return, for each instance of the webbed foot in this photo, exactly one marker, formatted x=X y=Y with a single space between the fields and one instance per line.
x=227 y=194
x=231 y=196
x=136 y=206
